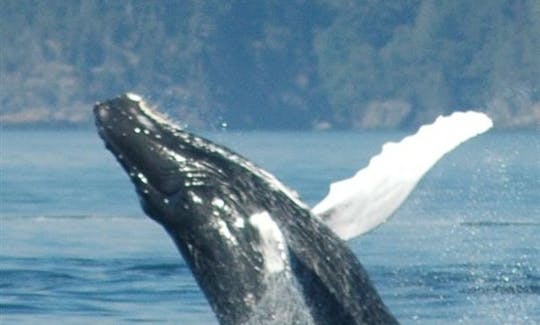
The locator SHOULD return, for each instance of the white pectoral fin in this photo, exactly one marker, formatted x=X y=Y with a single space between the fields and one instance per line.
x=356 y=205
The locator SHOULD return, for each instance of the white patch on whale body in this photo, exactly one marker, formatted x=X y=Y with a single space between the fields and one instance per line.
x=273 y=247
x=224 y=231
x=195 y=198
x=146 y=122
x=174 y=155
x=142 y=178
x=239 y=222
x=218 y=203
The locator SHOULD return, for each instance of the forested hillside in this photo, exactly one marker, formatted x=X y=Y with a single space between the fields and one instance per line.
x=273 y=64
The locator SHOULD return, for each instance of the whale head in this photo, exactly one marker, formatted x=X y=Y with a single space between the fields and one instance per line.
x=171 y=169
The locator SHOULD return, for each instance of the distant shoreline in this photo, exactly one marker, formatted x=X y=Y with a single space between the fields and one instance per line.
x=89 y=126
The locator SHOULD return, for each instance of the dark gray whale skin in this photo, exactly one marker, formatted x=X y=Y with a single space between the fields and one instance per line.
x=222 y=212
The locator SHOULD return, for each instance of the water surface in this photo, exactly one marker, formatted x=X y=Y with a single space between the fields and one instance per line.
x=75 y=246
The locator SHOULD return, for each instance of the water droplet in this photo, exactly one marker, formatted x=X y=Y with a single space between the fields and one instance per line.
x=166 y=200
x=158 y=136
x=137 y=130
x=146 y=131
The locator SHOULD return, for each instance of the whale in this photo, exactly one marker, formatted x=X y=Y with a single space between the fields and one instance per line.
x=258 y=253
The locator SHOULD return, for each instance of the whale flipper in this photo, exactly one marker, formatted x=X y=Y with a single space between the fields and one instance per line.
x=358 y=204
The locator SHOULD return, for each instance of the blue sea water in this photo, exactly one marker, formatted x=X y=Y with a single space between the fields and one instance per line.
x=76 y=248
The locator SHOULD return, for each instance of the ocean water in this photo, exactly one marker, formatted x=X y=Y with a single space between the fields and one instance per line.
x=76 y=248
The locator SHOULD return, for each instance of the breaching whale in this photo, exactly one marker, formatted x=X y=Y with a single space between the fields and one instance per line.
x=258 y=253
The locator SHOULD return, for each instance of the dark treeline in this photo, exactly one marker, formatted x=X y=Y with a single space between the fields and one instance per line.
x=273 y=64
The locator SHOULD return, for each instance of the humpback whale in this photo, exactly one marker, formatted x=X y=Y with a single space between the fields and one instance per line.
x=258 y=253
